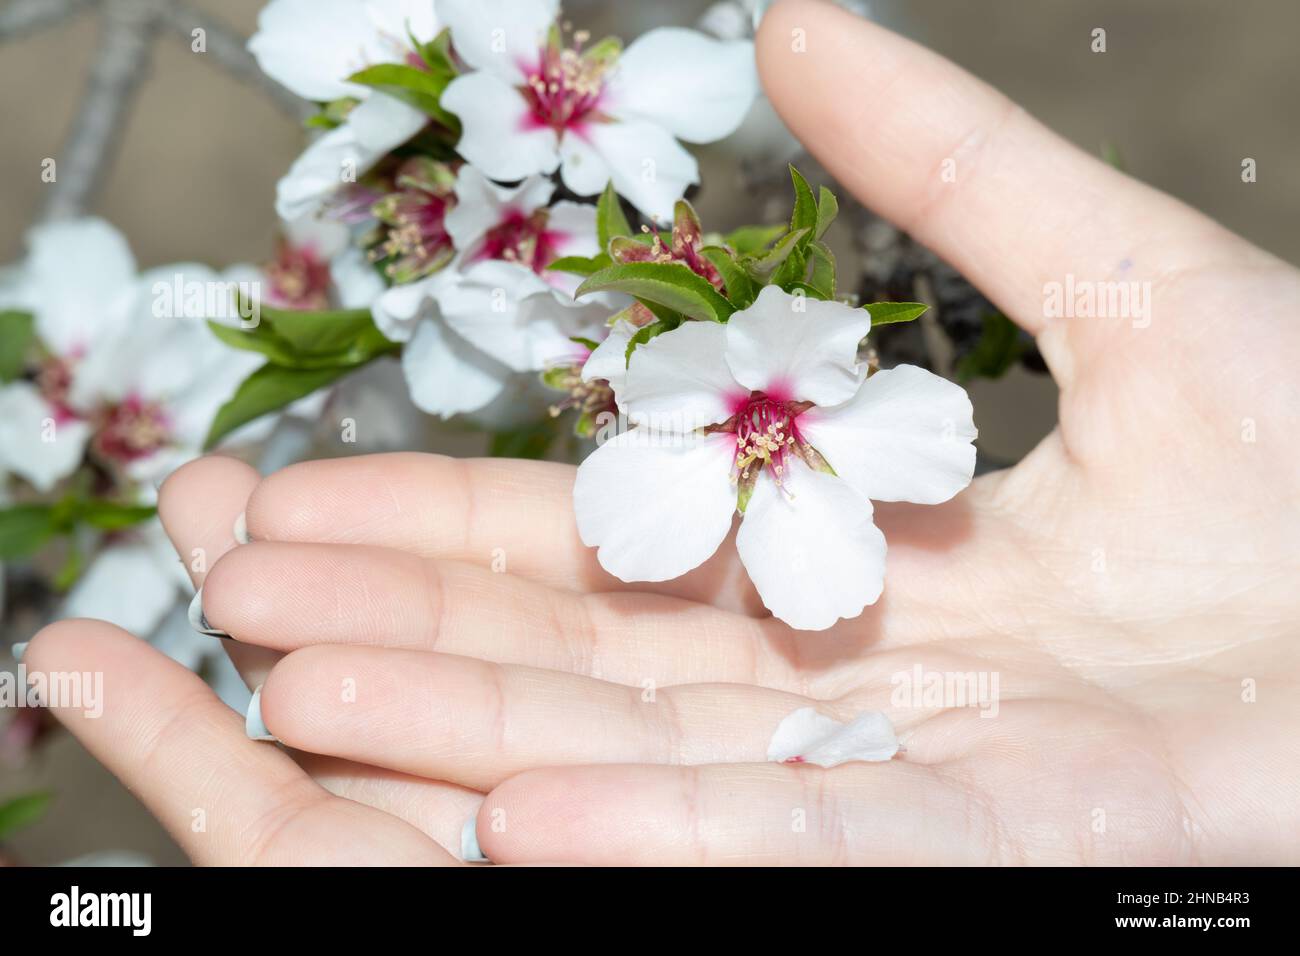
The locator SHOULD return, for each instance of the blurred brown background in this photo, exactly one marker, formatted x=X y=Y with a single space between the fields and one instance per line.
x=1185 y=91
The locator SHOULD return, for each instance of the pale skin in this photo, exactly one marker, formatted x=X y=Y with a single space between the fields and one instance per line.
x=1133 y=582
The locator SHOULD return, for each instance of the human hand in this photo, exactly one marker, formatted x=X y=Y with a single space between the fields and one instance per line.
x=1123 y=581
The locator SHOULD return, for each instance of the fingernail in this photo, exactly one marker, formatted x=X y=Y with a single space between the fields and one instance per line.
x=199 y=622
x=254 y=726
x=469 y=848
x=18 y=650
x=241 y=529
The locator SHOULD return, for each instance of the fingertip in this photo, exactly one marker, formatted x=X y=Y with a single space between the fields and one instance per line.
x=187 y=485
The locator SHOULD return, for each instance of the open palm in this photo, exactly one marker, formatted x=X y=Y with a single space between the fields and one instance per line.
x=1130 y=585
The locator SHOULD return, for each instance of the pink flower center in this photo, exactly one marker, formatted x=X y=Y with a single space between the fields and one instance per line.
x=522 y=239
x=132 y=429
x=766 y=434
x=298 y=278
x=564 y=89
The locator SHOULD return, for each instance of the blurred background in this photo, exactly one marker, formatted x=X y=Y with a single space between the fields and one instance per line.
x=1184 y=92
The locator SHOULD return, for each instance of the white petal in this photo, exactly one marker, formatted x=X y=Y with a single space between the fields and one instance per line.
x=506 y=310
x=654 y=509
x=400 y=309
x=571 y=227
x=383 y=123
x=794 y=347
x=499 y=35
x=447 y=375
x=79 y=280
x=319 y=170
x=397 y=18
x=648 y=166
x=496 y=135
x=697 y=88
x=482 y=205
x=582 y=167
x=26 y=421
x=809 y=737
x=313 y=46
x=357 y=282
x=812 y=550
x=679 y=381
x=125 y=586
x=609 y=360
x=906 y=436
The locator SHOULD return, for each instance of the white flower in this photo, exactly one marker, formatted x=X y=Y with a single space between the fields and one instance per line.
x=530 y=106
x=495 y=311
x=771 y=412
x=131 y=377
x=312 y=47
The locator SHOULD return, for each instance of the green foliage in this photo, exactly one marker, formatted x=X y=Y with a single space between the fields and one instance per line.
x=793 y=257
x=416 y=86
x=887 y=313
x=304 y=350
x=611 y=222
x=668 y=284
x=26 y=528
x=1000 y=346
x=22 y=811
x=17 y=332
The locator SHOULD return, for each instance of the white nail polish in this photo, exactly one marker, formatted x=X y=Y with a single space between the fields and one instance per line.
x=241 y=529
x=469 y=848
x=199 y=622
x=254 y=726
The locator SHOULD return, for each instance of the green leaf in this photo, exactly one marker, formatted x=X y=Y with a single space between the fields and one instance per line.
x=24 y=529
x=999 y=347
x=823 y=270
x=581 y=265
x=309 y=339
x=269 y=388
x=22 y=811
x=827 y=209
x=644 y=335
x=751 y=240
x=71 y=569
x=610 y=220
x=804 y=215
x=111 y=516
x=887 y=313
x=413 y=86
x=669 y=284
x=740 y=288
x=531 y=441
x=17 y=330
x=761 y=268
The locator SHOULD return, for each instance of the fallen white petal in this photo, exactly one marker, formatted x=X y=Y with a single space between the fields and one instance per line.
x=809 y=737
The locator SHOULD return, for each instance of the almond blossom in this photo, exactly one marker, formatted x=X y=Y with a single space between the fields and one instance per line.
x=312 y=47
x=771 y=415
x=496 y=311
x=135 y=389
x=532 y=104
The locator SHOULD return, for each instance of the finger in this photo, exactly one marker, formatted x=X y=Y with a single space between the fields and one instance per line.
x=285 y=596
x=475 y=723
x=436 y=809
x=225 y=799
x=198 y=505
x=513 y=516
x=892 y=813
x=973 y=176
